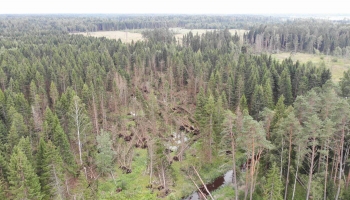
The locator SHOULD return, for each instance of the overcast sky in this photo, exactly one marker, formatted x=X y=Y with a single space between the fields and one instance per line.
x=176 y=6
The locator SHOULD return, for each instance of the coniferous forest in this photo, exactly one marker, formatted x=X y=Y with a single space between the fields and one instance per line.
x=85 y=117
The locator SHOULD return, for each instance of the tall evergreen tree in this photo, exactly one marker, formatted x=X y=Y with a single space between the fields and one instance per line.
x=345 y=84
x=257 y=103
x=268 y=94
x=273 y=187
x=24 y=183
x=55 y=133
x=313 y=129
x=285 y=87
x=52 y=178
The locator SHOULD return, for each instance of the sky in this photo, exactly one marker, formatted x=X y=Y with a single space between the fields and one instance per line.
x=175 y=6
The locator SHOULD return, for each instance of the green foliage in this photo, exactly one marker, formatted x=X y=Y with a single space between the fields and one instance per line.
x=345 y=84
x=273 y=187
x=71 y=77
x=224 y=193
x=2 y=190
x=104 y=157
x=55 y=133
x=17 y=130
x=24 y=183
x=285 y=87
x=50 y=171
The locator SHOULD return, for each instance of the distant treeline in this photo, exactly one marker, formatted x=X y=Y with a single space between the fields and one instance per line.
x=302 y=35
x=272 y=34
x=84 y=23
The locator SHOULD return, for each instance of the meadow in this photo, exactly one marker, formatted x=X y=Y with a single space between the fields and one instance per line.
x=337 y=65
x=135 y=35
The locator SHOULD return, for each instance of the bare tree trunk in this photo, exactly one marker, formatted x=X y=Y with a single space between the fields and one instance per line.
x=336 y=165
x=210 y=137
x=311 y=170
x=252 y=166
x=234 y=176
x=348 y=180
x=150 y=148
x=326 y=174
x=104 y=116
x=281 y=171
x=77 y=113
x=57 y=184
x=95 y=115
x=288 y=167
x=340 y=161
x=296 y=174
x=198 y=188
x=246 y=184
x=203 y=183
x=163 y=174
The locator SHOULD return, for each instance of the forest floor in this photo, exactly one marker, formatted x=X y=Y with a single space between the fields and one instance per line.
x=337 y=65
x=135 y=35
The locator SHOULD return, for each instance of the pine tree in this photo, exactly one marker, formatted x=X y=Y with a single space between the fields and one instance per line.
x=273 y=187
x=312 y=130
x=24 y=183
x=229 y=138
x=253 y=142
x=289 y=128
x=342 y=120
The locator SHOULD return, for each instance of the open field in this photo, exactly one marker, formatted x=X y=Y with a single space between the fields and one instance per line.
x=135 y=35
x=335 y=64
x=124 y=36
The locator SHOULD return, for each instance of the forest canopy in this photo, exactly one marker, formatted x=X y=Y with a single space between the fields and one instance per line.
x=95 y=118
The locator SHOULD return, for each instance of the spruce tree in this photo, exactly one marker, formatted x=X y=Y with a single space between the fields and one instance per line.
x=257 y=101
x=268 y=94
x=273 y=187
x=52 y=178
x=17 y=130
x=55 y=133
x=285 y=87
x=24 y=183
x=345 y=84
x=243 y=105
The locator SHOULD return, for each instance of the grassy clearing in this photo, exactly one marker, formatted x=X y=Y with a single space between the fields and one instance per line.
x=133 y=185
x=135 y=35
x=335 y=64
x=124 y=36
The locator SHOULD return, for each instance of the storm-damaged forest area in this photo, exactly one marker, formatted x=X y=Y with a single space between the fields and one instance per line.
x=166 y=106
